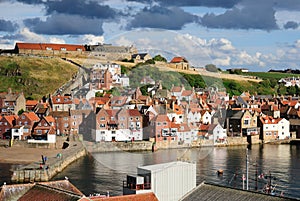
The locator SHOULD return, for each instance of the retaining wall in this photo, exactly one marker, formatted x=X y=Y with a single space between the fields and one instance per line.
x=117 y=146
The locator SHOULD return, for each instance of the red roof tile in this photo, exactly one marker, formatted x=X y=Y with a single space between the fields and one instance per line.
x=31 y=102
x=178 y=60
x=136 y=197
x=44 y=46
x=134 y=112
x=32 y=116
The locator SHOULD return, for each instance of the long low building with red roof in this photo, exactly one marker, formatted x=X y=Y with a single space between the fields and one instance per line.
x=50 y=49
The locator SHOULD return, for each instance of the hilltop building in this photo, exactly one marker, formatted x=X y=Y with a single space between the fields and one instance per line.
x=179 y=63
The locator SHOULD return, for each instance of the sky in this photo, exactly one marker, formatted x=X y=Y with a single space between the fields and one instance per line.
x=256 y=34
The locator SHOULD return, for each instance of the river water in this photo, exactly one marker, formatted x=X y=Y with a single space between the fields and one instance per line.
x=102 y=172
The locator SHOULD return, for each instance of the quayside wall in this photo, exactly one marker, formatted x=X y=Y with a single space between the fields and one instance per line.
x=34 y=173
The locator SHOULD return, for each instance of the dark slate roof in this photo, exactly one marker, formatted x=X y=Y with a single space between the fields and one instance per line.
x=234 y=114
x=214 y=192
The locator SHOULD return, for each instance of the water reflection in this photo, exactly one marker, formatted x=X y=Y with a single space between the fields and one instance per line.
x=104 y=172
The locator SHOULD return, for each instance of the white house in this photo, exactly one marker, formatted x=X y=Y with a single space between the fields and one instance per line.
x=274 y=128
x=219 y=134
x=283 y=129
x=193 y=116
x=205 y=117
x=17 y=132
x=184 y=133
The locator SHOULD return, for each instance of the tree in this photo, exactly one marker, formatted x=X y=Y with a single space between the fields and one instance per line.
x=159 y=58
x=21 y=111
x=98 y=94
x=282 y=89
x=211 y=68
x=124 y=70
x=292 y=90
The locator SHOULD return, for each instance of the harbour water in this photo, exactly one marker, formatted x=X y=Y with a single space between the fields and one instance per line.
x=102 y=172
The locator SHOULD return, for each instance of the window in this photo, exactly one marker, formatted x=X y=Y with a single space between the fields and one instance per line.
x=137 y=119
x=23 y=117
x=45 y=124
x=246 y=121
x=48 y=48
x=102 y=118
x=63 y=49
x=5 y=123
x=66 y=118
x=39 y=131
x=74 y=123
x=102 y=125
x=282 y=127
x=66 y=125
x=158 y=123
x=25 y=123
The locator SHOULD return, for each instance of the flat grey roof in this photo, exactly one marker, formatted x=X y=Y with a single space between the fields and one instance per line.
x=162 y=166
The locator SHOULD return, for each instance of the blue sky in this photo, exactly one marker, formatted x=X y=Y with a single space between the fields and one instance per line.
x=253 y=34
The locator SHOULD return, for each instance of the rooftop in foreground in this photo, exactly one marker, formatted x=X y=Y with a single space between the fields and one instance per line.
x=213 y=192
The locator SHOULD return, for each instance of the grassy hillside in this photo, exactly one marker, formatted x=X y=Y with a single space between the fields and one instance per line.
x=34 y=76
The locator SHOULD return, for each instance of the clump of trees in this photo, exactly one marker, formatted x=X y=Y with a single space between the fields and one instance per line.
x=159 y=58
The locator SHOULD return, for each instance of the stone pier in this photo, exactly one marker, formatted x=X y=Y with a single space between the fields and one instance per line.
x=34 y=173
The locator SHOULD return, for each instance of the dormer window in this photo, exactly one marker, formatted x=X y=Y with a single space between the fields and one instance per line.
x=63 y=49
x=48 y=48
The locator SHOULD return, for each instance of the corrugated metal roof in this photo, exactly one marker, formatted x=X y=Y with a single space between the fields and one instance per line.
x=214 y=192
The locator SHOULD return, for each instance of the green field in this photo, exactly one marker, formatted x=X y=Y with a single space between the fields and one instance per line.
x=34 y=76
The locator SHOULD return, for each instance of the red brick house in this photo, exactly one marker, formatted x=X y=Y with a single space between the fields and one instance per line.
x=118 y=125
x=62 y=122
x=27 y=120
x=6 y=124
x=44 y=128
x=159 y=127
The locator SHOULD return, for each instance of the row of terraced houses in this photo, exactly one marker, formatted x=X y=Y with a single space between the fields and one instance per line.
x=176 y=114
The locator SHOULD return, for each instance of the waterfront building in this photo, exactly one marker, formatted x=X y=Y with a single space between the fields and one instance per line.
x=118 y=125
x=273 y=129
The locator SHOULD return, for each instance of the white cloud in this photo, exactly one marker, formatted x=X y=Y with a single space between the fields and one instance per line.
x=31 y=36
x=57 y=40
x=222 y=61
x=91 y=39
x=123 y=41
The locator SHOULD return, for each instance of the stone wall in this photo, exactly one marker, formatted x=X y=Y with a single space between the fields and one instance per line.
x=94 y=147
